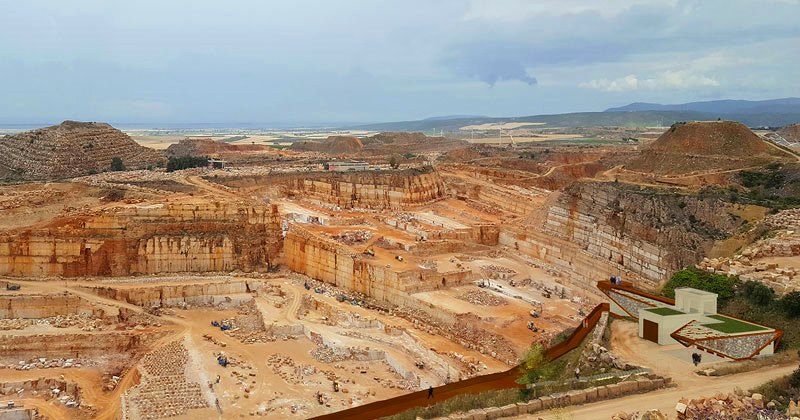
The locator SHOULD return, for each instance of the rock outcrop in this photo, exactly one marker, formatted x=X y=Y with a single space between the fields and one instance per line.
x=70 y=149
x=146 y=240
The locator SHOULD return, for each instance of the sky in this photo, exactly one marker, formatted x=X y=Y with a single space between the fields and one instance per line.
x=350 y=61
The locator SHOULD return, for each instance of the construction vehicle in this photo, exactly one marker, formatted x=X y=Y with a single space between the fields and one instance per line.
x=532 y=327
x=370 y=252
x=535 y=314
x=12 y=286
x=215 y=324
x=222 y=360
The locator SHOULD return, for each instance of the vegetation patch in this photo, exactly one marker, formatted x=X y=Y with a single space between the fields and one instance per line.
x=664 y=311
x=732 y=325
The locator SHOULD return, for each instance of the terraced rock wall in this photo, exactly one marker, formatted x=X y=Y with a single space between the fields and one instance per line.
x=599 y=229
x=364 y=190
x=154 y=239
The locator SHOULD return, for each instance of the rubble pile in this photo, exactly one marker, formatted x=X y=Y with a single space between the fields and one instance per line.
x=353 y=236
x=785 y=219
x=482 y=298
x=82 y=322
x=735 y=405
x=164 y=390
x=498 y=271
x=747 y=266
x=647 y=415
x=600 y=358
x=325 y=354
x=44 y=363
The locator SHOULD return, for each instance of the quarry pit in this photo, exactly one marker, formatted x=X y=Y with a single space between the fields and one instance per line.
x=283 y=289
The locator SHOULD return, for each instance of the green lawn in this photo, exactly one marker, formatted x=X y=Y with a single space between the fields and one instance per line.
x=663 y=311
x=732 y=326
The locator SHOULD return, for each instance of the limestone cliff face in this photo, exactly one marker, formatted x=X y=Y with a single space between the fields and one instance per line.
x=647 y=232
x=147 y=240
x=366 y=189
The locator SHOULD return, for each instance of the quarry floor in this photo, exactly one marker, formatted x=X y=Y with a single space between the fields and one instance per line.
x=288 y=387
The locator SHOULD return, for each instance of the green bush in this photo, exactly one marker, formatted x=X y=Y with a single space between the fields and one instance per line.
x=794 y=378
x=186 y=162
x=790 y=303
x=724 y=286
x=758 y=293
x=116 y=164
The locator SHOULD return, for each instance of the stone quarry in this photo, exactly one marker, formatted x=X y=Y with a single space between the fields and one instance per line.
x=274 y=287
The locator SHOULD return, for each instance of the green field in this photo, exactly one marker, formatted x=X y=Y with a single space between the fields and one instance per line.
x=732 y=326
x=663 y=311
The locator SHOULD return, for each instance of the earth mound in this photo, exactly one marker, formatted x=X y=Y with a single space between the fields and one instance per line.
x=790 y=132
x=333 y=145
x=462 y=155
x=192 y=146
x=70 y=149
x=705 y=146
x=403 y=142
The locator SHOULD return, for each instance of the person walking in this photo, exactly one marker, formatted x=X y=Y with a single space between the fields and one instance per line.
x=430 y=392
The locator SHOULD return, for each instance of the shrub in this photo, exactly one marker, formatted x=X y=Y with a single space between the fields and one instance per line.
x=116 y=164
x=794 y=378
x=790 y=303
x=758 y=292
x=178 y=163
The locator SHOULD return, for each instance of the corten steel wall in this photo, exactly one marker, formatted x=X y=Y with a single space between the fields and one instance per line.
x=494 y=381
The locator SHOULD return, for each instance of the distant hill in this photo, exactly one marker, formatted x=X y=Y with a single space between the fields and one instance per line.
x=768 y=113
x=727 y=106
x=454 y=117
x=593 y=119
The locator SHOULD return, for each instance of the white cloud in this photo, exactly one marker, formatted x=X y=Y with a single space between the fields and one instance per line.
x=518 y=10
x=662 y=81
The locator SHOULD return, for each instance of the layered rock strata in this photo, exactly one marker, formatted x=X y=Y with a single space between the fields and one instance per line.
x=147 y=240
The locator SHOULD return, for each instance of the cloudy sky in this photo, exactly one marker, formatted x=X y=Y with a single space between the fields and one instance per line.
x=302 y=61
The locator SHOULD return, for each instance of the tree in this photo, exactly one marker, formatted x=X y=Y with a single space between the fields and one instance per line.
x=393 y=162
x=116 y=164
